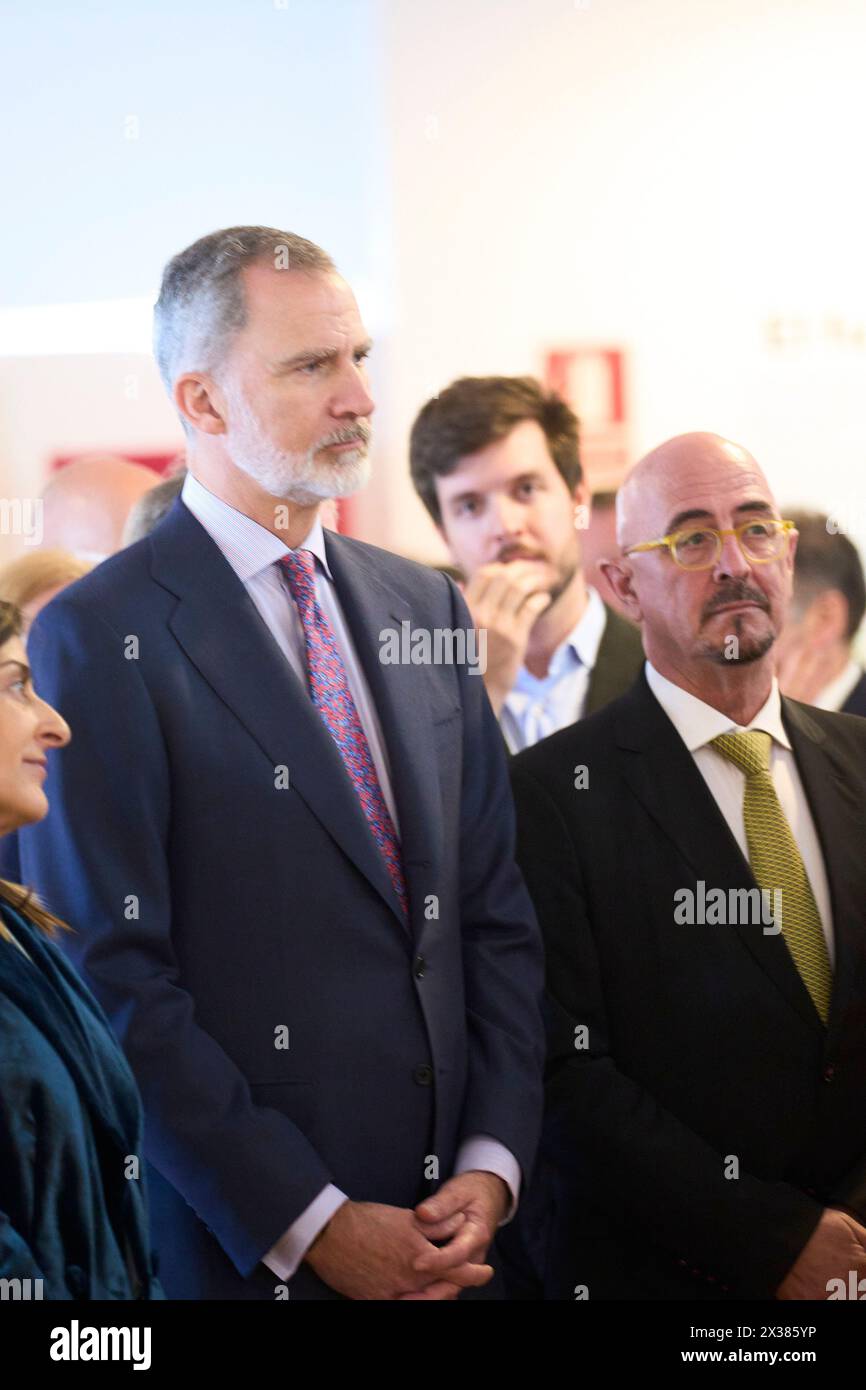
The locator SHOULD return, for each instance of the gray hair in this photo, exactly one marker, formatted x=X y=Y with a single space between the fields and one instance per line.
x=150 y=508
x=201 y=300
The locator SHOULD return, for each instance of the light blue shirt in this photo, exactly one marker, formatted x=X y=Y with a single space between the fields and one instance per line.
x=253 y=553
x=537 y=707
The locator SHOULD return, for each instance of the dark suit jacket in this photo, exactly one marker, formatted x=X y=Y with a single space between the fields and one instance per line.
x=856 y=702
x=219 y=906
x=620 y=657
x=703 y=1043
x=72 y=1213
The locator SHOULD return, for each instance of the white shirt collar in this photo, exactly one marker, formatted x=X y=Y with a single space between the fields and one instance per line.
x=698 y=723
x=248 y=547
x=581 y=644
x=834 y=695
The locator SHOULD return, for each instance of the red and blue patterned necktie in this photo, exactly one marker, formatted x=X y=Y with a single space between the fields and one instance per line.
x=332 y=697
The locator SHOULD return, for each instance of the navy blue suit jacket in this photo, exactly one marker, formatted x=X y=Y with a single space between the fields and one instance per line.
x=222 y=912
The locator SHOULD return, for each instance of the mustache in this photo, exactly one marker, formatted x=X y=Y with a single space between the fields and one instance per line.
x=738 y=591
x=518 y=552
x=349 y=434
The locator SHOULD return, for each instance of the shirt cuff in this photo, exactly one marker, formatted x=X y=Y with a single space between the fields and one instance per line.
x=483 y=1152
x=284 y=1257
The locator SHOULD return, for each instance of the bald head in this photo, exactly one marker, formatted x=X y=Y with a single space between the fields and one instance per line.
x=674 y=477
x=708 y=628
x=87 y=502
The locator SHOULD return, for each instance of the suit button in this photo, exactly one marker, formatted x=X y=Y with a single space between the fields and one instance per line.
x=829 y=1072
x=423 y=1075
x=419 y=967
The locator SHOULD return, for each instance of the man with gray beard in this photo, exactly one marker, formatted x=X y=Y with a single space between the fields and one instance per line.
x=291 y=864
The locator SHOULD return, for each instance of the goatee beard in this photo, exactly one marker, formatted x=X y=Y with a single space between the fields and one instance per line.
x=746 y=653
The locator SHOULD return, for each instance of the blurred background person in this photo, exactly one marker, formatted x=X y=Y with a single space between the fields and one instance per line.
x=496 y=462
x=152 y=506
x=73 y=1214
x=86 y=504
x=816 y=662
x=33 y=579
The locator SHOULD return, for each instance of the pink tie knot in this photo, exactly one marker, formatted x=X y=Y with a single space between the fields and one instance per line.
x=299 y=567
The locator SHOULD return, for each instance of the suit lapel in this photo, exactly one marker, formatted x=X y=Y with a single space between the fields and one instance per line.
x=662 y=774
x=837 y=810
x=224 y=636
x=620 y=656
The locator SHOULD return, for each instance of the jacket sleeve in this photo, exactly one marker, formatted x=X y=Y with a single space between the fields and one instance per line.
x=651 y=1173
x=101 y=861
x=501 y=943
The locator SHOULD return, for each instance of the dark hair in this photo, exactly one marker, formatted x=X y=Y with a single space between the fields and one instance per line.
x=479 y=410
x=24 y=900
x=604 y=500
x=828 y=560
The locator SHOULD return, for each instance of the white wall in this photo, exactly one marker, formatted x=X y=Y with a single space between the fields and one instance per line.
x=134 y=129
x=131 y=130
x=666 y=174
x=495 y=176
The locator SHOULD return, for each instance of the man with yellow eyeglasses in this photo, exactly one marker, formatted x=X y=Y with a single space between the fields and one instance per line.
x=697 y=856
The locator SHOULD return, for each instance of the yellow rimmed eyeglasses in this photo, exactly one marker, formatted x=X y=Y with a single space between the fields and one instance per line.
x=760 y=541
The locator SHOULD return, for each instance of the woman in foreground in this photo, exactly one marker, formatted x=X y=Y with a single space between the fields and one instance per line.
x=73 y=1214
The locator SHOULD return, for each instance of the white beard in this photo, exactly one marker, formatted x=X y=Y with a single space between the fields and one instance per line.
x=302 y=478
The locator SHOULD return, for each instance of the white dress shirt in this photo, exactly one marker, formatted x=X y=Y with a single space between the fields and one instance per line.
x=253 y=553
x=536 y=707
x=697 y=725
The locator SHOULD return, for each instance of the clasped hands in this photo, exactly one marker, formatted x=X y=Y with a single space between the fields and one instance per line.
x=372 y=1251
x=836 y=1248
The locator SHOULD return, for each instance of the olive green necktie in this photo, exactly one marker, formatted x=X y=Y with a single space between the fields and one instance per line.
x=777 y=863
